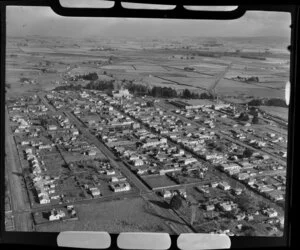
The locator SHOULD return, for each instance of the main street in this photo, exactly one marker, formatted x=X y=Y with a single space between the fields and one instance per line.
x=85 y=131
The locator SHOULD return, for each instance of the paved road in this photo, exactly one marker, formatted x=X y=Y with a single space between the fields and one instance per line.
x=19 y=198
x=84 y=130
x=43 y=99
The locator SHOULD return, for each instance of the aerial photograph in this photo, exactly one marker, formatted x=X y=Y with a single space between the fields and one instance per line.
x=146 y=125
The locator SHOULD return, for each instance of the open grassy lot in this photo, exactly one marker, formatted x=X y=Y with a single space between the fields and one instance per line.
x=159 y=181
x=128 y=215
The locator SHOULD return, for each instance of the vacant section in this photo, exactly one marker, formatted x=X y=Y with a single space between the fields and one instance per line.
x=132 y=215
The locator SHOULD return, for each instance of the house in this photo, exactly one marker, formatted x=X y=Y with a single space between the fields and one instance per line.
x=110 y=172
x=203 y=189
x=237 y=191
x=114 y=179
x=141 y=171
x=94 y=191
x=246 y=165
x=249 y=217
x=275 y=196
x=154 y=142
x=73 y=213
x=120 y=187
x=166 y=194
x=51 y=191
x=138 y=162
x=44 y=199
x=240 y=216
x=70 y=207
x=23 y=143
x=189 y=161
x=74 y=131
x=209 y=207
x=214 y=184
x=28 y=150
x=225 y=206
x=55 y=197
x=169 y=169
x=270 y=212
x=230 y=168
x=56 y=215
x=250 y=181
x=241 y=176
x=224 y=185
x=182 y=192
x=121 y=93
x=91 y=153
x=52 y=127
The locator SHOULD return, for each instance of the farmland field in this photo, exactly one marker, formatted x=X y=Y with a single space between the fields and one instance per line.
x=276 y=111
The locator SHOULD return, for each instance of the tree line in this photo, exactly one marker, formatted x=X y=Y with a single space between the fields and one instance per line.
x=166 y=92
x=268 y=102
x=135 y=89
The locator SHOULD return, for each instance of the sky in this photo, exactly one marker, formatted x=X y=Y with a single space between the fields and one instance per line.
x=42 y=21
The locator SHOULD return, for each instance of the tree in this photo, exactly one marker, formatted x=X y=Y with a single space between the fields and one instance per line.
x=186 y=94
x=150 y=104
x=244 y=117
x=205 y=95
x=220 y=147
x=90 y=76
x=176 y=202
x=276 y=102
x=248 y=152
x=248 y=230
x=246 y=203
x=262 y=205
x=255 y=120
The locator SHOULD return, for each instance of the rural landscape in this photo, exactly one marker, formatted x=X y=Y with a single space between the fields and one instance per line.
x=163 y=134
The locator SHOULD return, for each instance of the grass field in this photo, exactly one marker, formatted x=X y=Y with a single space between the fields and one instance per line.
x=159 y=181
x=276 y=111
x=113 y=217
